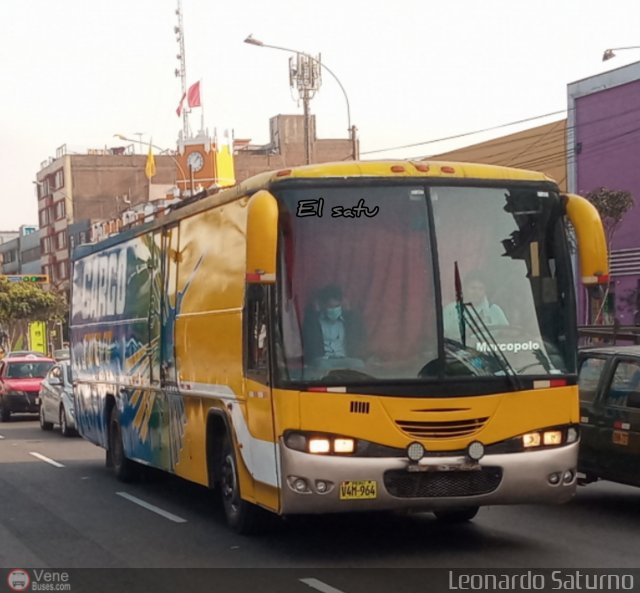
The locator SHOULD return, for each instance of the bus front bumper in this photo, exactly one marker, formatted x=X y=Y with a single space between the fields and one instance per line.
x=332 y=484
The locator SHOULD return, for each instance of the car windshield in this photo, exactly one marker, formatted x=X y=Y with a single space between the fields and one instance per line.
x=27 y=370
x=410 y=282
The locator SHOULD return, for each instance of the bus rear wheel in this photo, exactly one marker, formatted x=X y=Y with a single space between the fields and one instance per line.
x=460 y=515
x=124 y=468
x=242 y=516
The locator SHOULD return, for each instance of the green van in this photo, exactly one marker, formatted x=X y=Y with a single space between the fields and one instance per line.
x=609 y=381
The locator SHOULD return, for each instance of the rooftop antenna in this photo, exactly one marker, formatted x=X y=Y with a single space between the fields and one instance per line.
x=182 y=70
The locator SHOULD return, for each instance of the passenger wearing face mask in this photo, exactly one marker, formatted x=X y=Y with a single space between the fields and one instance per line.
x=332 y=335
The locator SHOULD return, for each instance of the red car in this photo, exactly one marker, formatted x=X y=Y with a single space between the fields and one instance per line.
x=20 y=379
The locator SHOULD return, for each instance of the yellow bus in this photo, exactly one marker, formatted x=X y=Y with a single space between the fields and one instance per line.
x=343 y=337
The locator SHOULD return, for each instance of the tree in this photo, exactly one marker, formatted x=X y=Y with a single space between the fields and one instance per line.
x=612 y=205
x=23 y=302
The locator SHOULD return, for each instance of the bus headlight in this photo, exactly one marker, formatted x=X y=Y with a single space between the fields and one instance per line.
x=552 y=437
x=320 y=444
x=531 y=439
x=549 y=437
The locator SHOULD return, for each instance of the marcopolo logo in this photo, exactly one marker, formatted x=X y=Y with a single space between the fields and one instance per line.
x=508 y=346
x=18 y=579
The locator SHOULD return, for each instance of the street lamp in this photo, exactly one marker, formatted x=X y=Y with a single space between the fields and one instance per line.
x=304 y=79
x=609 y=53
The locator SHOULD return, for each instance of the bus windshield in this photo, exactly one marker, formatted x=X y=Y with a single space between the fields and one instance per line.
x=400 y=282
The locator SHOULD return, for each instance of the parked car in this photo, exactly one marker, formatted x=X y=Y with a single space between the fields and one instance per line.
x=20 y=378
x=56 y=400
x=609 y=381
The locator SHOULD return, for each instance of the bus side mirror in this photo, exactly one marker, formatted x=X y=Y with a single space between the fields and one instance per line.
x=262 y=238
x=592 y=245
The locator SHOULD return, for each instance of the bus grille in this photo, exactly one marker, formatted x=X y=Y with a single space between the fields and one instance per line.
x=441 y=430
x=437 y=484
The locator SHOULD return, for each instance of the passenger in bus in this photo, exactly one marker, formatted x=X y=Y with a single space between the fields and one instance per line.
x=474 y=292
x=332 y=334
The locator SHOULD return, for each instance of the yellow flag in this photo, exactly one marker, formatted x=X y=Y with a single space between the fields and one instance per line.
x=150 y=167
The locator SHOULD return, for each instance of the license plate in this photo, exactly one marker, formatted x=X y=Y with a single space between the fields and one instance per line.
x=358 y=490
x=620 y=438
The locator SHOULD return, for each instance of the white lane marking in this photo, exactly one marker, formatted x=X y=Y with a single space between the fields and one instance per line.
x=1 y=437
x=45 y=459
x=320 y=586
x=153 y=508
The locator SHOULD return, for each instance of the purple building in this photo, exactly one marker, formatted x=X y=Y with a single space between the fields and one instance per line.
x=603 y=150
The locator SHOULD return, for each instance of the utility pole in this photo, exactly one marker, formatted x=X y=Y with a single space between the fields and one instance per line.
x=305 y=76
x=182 y=70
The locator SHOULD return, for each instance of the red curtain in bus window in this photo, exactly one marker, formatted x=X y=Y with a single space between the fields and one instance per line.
x=382 y=265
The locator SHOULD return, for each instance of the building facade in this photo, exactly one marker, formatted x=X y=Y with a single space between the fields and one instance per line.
x=21 y=255
x=88 y=187
x=286 y=148
x=603 y=151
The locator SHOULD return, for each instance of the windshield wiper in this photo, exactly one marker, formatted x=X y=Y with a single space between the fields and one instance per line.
x=467 y=312
x=480 y=329
x=459 y=303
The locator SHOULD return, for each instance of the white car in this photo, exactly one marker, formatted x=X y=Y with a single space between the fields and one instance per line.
x=56 y=400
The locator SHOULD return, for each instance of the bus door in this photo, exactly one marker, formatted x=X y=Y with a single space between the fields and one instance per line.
x=259 y=396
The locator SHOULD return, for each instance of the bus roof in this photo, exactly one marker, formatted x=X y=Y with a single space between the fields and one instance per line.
x=390 y=169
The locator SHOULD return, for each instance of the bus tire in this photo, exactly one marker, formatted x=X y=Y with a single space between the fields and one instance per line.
x=459 y=515
x=124 y=469
x=242 y=516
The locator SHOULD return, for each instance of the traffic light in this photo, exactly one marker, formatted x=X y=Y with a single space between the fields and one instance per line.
x=31 y=278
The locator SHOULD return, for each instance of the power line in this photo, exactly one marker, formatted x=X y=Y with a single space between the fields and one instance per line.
x=508 y=142
x=520 y=121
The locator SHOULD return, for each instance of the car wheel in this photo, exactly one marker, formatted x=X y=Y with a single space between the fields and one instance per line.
x=64 y=427
x=461 y=515
x=125 y=469
x=242 y=516
x=5 y=413
x=43 y=423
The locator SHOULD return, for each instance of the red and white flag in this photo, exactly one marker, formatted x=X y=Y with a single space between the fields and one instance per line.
x=193 y=95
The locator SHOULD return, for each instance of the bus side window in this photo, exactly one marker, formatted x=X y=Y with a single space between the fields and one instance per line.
x=256 y=333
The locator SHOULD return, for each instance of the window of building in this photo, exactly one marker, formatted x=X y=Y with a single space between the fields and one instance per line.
x=9 y=256
x=61 y=240
x=59 y=179
x=62 y=270
x=60 y=209
x=46 y=245
x=29 y=255
x=44 y=217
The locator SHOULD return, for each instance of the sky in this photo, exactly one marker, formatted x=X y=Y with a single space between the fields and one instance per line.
x=76 y=72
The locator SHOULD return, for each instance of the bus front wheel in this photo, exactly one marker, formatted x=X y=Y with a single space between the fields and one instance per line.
x=242 y=516
x=460 y=515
